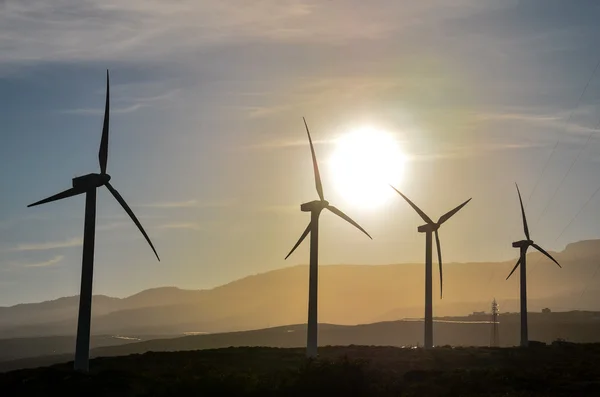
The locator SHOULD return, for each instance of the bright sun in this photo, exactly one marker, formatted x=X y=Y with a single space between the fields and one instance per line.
x=364 y=163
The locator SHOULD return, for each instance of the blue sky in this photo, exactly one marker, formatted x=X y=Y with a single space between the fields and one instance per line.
x=207 y=142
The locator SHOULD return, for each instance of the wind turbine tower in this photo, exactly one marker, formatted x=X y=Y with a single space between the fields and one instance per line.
x=429 y=229
x=315 y=208
x=523 y=245
x=88 y=185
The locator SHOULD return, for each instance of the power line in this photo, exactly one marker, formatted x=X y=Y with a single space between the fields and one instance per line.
x=569 y=170
x=585 y=287
x=589 y=138
x=534 y=265
x=587 y=84
x=578 y=213
x=560 y=136
x=570 y=223
x=584 y=290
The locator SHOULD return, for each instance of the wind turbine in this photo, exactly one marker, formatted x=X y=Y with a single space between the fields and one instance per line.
x=523 y=245
x=88 y=184
x=429 y=228
x=315 y=208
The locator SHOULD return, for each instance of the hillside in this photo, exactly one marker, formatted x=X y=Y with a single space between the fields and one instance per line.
x=18 y=348
x=340 y=371
x=580 y=327
x=348 y=294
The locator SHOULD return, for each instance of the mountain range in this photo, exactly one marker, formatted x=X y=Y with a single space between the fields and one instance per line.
x=348 y=295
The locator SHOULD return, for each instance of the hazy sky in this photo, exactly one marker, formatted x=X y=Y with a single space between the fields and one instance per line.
x=208 y=147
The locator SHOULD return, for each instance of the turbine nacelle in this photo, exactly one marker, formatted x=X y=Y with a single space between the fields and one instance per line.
x=90 y=181
x=316 y=205
x=522 y=243
x=428 y=227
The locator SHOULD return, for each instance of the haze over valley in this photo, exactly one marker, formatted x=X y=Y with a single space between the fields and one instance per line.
x=349 y=294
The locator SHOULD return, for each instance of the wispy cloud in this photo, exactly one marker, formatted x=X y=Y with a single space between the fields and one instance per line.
x=183 y=225
x=73 y=242
x=279 y=144
x=472 y=151
x=5 y=224
x=111 y=226
x=50 y=262
x=582 y=120
x=255 y=112
x=85 y=30
x=525 y=117
x=189 y=204
x=279 y=208
x=327 y=92
x=172 y=204
x=100 y=111
x=135 y=103
x=123 y=216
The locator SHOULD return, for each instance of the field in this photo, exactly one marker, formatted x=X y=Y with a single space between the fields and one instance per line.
x=553 y=370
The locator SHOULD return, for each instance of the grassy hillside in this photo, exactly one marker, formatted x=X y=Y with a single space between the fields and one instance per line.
x=341 y=371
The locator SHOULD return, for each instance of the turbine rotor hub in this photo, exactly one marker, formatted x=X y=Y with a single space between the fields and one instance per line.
x=105 y=178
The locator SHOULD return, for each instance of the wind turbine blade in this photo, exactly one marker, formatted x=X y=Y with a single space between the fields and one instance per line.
x=514 y=268
x=347 y=219
x=131 y=215
x=67 y=193
x=450 y=214
x=523 y=213
x=439 y=252
x=315 y=165
x=421 y=213
x=306 y=231
x=103 y=153
x=537 y=247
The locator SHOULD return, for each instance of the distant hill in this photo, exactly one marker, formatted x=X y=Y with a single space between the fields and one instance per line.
x=18 y=348
x=581 y=327
x=348 y=294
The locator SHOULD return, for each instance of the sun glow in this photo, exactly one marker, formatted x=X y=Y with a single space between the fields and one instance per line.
x=364 y=163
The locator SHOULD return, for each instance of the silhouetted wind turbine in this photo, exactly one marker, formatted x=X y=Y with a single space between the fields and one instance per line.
x=429 y=228
x=315 y=208
x=523 y=245
x=88 y=184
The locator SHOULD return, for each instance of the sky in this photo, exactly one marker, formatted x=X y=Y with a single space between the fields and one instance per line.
x=208 y=147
